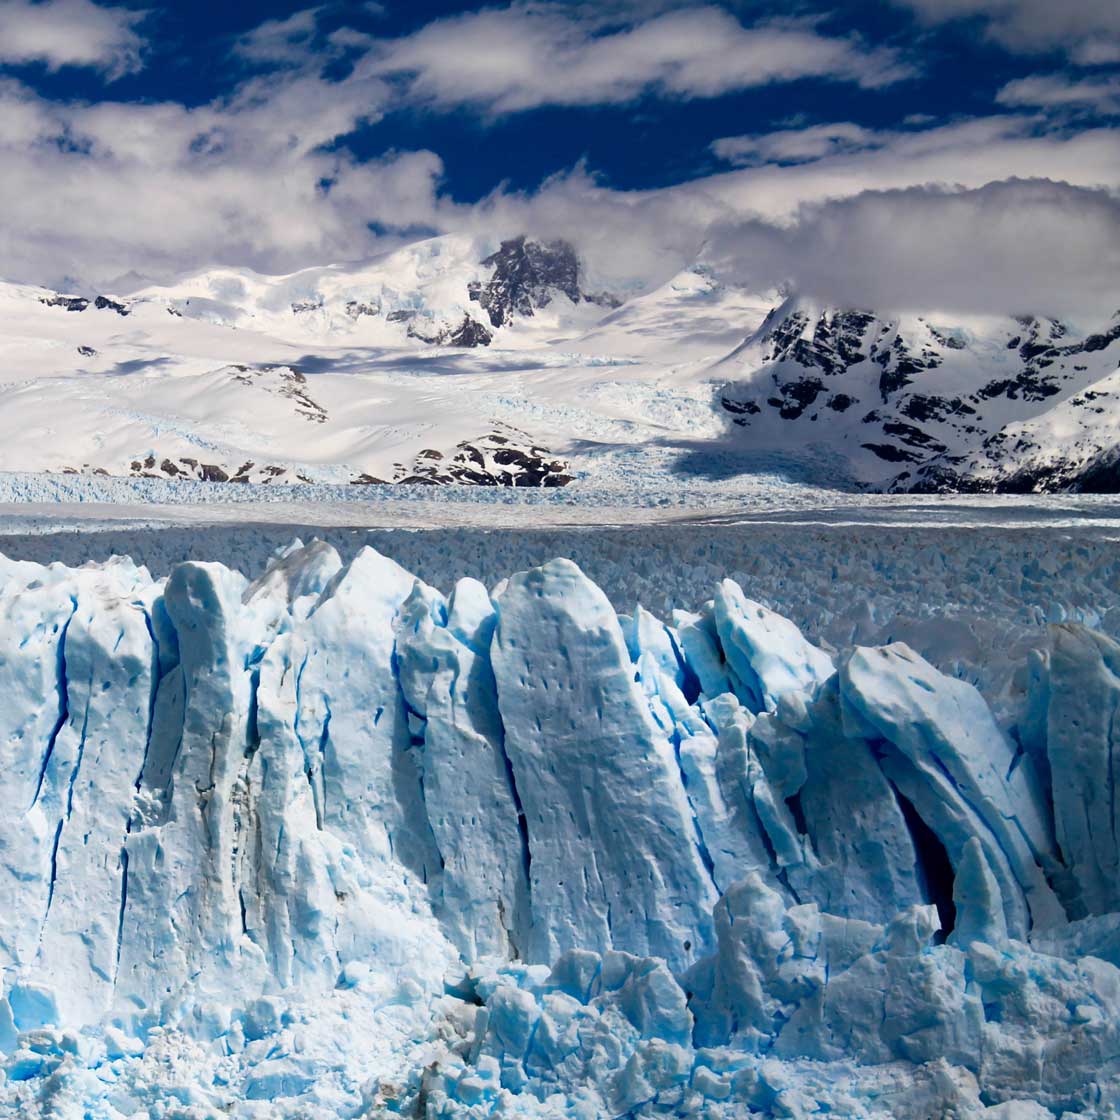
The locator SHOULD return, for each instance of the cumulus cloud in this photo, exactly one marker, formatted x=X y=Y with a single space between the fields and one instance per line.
x=57 y=33
x=1088 y=29
x=96 y=191
x=1006 y=248
x=650 y=234
x=969 y=154
x=1057 y=91
x=524 y=57
x=261 y=178
x=93 y=191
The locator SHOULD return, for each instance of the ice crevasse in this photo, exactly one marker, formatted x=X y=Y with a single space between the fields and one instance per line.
x=332 y=843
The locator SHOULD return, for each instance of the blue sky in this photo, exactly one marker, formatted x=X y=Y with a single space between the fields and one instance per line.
x=138 y=141
x=649 y=141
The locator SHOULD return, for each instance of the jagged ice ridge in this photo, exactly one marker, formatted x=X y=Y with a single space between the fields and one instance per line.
x=333 y=843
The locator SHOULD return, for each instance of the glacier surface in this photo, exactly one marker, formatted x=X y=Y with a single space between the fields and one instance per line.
x=330 y=842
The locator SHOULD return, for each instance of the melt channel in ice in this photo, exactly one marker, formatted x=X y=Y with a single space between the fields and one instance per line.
x=334 y=844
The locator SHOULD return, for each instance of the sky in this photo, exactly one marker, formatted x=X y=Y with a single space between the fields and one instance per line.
x=950 y=154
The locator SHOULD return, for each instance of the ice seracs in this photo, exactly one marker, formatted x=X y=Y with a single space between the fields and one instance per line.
x=337 y=841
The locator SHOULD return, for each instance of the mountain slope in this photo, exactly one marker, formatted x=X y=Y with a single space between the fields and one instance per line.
x=929 y=403
x=460 y=360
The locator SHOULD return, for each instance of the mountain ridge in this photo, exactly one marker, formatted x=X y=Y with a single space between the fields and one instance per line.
x=919 y=405
x=228 y=367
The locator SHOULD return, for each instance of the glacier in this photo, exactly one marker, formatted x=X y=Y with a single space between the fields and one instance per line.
x=330 y=841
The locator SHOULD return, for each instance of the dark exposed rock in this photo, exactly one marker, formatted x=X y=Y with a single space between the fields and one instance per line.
x=899 y=365
x=922 y=425
x=104 y=303
x=890 y=453
x=602 y=299
x=1100 y=341
x=87 y=351
x=937 y=479
x=1039 y=353
x=1029 y=385
x=1101 y=475
x=423 y=331
x=290 y=383
x=190 y=469
x=920 y=407
x=526 y=275
x=912 y=436
x=797 y=396
x=835 y=346
x=739 y=408
x=467 y=335
x=67 y=303
x=470 y=333
x=493 y=460
x=401 y=316
x=356 y=309
x=949 y=341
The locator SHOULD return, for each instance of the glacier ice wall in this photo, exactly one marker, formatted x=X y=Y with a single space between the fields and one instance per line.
x=333 y=840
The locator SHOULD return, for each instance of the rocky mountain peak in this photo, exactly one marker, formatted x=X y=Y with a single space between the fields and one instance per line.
x=1016 y=404
x=527 y=275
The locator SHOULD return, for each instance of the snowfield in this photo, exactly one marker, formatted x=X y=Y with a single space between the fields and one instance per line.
x=303 y=835
x=460 y=360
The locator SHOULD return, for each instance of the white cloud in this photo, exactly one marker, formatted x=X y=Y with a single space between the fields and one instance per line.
x=523 y=57
x=254 y=179
x=1088 y=29
x=1056 y=91
x=967 y=154
x=652 y=233
x=797 y=145
x=280 y=40
x=95 y=191
x=1018 y=247
x=59 y=33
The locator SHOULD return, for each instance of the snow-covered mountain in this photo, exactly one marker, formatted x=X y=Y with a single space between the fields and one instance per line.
x=925 y=403
x=455 y=291
x=457 y=359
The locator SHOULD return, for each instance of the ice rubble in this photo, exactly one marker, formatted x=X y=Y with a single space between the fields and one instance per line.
x=331 y=843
